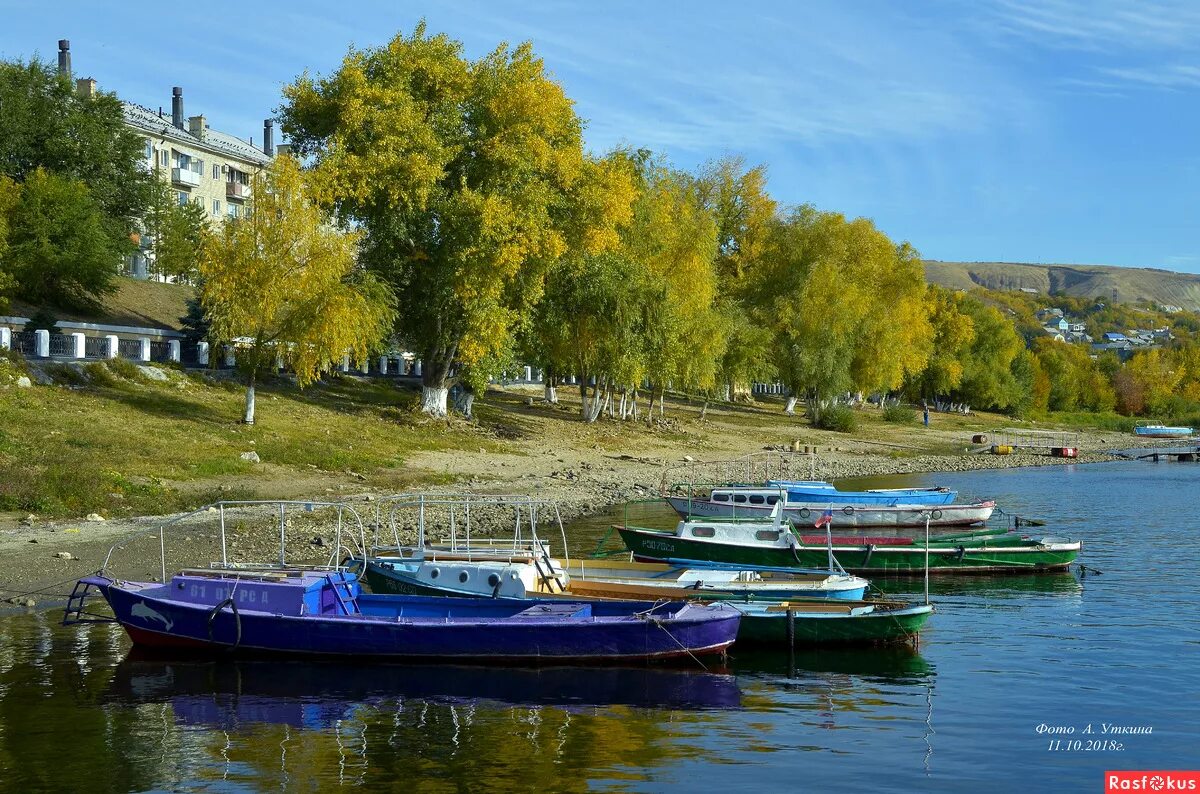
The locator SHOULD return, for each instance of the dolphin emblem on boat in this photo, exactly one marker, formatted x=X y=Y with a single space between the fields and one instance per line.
x=140 y=610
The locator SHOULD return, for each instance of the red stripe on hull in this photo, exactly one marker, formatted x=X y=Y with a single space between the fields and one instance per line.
x=159 y=640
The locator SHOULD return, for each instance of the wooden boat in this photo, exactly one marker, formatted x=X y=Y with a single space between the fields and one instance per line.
x=1162 y=431
x=300 y=613
x=748 y=502
x=601 y=579
x=752 y=544
x=805 y=623
x=823 y=493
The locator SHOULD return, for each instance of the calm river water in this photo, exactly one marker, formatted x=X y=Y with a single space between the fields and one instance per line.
x=1001 y=657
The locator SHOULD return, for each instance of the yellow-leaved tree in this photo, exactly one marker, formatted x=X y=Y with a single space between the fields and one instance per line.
x=463 y=174
x=281 y=283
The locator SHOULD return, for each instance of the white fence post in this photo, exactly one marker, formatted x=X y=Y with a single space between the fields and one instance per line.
x=417 y=368
x=78 y=345
x=365 y=367
x=345 y=363
x=528 y=374
x=5 y=338
x=383 y=365
x=173 y=352
x=143 y=348
x=202 y=353
x=112 y=345
x=41 y=343
x=540 y=376
x=230 y=357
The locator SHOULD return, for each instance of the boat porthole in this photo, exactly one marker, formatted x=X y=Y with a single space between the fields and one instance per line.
x=804 y=512
x=463 y=576
x=937 y=514
x=434 y=573
x=494 y=579
x=848 y=510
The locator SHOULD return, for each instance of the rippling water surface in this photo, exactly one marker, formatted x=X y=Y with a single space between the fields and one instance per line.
x=1002 y=656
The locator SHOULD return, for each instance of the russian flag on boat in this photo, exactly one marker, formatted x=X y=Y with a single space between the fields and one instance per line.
x=825 y=518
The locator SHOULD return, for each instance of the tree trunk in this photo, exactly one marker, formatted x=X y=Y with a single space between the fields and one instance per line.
x=433 y=381
x=704 y=410
x=551 y=393
x=727 y=392
x=662 y=403
x=466 y=403
x=583 y=398
x=249 y=418
x=650 y=408
x=790 y=408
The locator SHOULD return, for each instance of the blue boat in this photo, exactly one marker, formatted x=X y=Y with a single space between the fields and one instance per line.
x=823 y=493
x=300 y=613
x=1162 y=431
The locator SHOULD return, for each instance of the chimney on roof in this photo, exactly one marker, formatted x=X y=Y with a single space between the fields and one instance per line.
x=86 y=88
x=64 y=57
x=268 y=138
x=177 y=107
x=197 y=125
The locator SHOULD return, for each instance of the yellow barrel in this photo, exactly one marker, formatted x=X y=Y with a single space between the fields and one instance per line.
x=1002 y=449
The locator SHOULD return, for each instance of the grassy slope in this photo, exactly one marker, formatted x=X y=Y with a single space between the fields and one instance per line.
x=139 y=303
x=1130 y=285
x=134 y=448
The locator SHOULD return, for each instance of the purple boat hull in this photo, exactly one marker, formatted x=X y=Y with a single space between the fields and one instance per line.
x=316 y=615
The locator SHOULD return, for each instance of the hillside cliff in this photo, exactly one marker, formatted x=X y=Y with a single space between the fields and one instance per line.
x=1101 y=282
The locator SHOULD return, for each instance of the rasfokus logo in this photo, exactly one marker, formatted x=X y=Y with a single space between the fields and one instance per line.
x=1157 y=780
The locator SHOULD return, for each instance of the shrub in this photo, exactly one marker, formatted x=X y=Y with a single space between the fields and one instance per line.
x=899 y=414
x=100 y=375
x=838 y=417
x=67 y=374
x=124 y=368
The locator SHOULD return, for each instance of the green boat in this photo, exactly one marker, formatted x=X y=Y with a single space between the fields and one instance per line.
x=806 y=623
x=759 y=544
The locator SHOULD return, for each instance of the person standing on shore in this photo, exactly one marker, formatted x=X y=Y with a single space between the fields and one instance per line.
x=925 y=409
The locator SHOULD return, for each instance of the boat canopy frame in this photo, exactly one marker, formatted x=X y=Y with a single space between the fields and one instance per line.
x=341 y=549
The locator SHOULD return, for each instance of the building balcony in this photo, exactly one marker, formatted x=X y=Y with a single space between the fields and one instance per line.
x=237 y=190
x=185 y=176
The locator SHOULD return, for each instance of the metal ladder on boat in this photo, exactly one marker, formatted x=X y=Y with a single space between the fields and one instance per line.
x=341 y=592
x=75 y=613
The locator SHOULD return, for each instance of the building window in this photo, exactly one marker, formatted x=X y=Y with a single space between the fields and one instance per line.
x=164 y=158
x=216 y=204
x=232 y=210
x=150 y=151
x=181 y=197
x=216 y=173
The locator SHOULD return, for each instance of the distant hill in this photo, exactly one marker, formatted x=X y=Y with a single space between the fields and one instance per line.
x=1102 y=282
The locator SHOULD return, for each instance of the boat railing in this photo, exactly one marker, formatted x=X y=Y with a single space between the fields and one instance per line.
x=345 y=521
x=481 y=523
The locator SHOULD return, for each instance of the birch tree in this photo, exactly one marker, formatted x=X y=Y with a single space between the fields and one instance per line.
x=461 y=172
x=282 y=284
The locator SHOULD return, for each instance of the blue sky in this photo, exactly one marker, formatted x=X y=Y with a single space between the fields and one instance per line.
x=1013 y=130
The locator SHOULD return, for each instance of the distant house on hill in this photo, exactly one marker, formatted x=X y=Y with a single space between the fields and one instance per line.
x=1029 y=290
x=1114 y=337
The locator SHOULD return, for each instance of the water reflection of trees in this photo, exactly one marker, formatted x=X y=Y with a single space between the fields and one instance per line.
x=75 y=707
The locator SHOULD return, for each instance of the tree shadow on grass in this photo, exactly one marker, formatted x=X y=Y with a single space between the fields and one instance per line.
x=168 y=406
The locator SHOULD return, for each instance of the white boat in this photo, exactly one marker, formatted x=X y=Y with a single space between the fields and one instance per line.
x=746 y=502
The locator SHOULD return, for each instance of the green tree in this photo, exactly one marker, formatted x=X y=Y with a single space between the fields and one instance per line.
x=9 y=193
x=845 y=306
x=282 y=283
x=463 y=173
x=953 y=334
x=46 y=124
x=58 y=252
x=988 y=379
x=177 y=233
x=745 y=214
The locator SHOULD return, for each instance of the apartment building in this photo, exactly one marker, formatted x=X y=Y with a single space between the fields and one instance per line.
x=202 y=165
